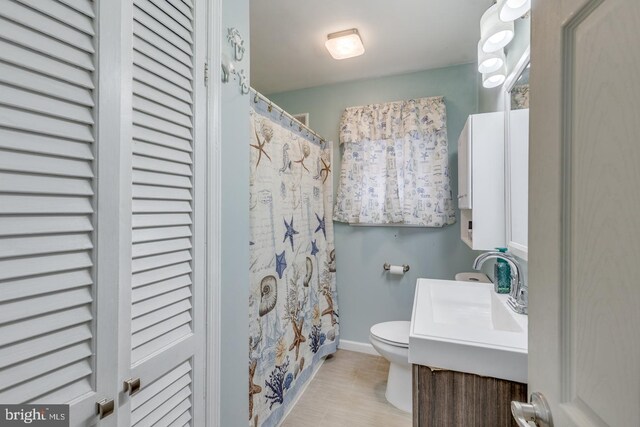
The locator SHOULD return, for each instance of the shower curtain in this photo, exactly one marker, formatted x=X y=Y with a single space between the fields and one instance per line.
x=293 y=313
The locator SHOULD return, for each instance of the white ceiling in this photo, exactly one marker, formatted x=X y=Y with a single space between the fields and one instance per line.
x=287 y=39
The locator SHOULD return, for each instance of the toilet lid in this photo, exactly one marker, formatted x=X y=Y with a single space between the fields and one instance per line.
x=395 y=333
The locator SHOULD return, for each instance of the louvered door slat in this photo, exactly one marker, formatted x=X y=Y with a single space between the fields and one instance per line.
x=33 y=286
x=30 y=184
x=160 y=179
x=166 y=87
x=24 y=162
x=26 y=79
x=42 y=144
x=160 y=138
x=158 y=110
x=41 y=43
x=164 y=220
x=28 y=204
x=83 y=6
x=30 y=390
x=51 y=27
x=169 y=26
x=160 y=329
x=169 y=49
x=83 y=21
x=165 y=193
x=147 y=235
x=156 y=401
x=141 y=293
x=155 y=317
x=163 y=59
x=45 y=324
x=160 y=247
x=144 y=90
x=26 y=100
x=36 y=367
x=47 y=199
x=160 y=152
x=157 y=165
x=160 y=274
x=35 y=61
x=43 y=344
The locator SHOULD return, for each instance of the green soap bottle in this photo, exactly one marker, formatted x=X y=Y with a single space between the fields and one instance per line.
x=502 y=275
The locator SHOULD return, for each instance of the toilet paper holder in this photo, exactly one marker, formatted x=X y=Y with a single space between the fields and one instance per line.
x=387 y=267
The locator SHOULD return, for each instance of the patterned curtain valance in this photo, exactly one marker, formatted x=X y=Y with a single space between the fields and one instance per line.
x=395 y=165
x=393 y=120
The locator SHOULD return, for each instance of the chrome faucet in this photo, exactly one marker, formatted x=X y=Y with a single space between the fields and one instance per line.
x=518 y=299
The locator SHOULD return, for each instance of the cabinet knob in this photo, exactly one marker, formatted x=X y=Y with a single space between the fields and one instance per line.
x=104 y=408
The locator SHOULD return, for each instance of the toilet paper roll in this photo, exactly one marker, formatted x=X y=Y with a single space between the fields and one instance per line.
x=396 y=269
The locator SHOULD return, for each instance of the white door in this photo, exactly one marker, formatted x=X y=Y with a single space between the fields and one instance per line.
x=53 y=346
x=584 y=211
x=167 y=318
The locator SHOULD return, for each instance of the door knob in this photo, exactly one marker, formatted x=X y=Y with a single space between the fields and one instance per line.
x=537 y=411
x=132 y=386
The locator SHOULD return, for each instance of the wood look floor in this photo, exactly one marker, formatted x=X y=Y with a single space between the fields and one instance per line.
x=348 y=391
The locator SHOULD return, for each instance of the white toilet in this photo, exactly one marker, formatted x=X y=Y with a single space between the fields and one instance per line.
x=391 y=340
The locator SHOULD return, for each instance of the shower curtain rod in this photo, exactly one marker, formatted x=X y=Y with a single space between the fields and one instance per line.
x=257 y=96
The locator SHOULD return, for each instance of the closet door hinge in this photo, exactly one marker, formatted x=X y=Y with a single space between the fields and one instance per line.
x=206 y=73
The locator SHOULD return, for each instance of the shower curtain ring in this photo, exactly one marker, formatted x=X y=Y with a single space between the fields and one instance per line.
x=270 y=108
x=281 y=114
x=291 y=123
x=255 y=99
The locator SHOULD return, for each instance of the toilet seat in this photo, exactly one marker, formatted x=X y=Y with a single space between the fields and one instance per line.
x=393 y=333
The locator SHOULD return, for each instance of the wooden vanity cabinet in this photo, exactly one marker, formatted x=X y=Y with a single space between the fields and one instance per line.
x=444 y=398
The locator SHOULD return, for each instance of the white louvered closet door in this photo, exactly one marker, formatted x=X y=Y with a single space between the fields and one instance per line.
x=48 y=126
x=167 y=286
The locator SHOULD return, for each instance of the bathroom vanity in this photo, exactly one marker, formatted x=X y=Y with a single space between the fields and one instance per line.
x=469 y=355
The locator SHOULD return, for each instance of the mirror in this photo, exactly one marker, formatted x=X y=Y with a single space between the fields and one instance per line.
x=517 y=157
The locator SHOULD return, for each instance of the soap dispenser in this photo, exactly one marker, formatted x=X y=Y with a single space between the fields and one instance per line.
x=502 y=275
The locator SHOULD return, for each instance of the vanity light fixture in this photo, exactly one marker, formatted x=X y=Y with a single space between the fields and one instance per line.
x=510 y=10
x=344 y=44
x=494 y=79
x=490 y=62
x=494 y=33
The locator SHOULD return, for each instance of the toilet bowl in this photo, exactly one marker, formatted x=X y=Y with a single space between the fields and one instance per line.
x=391 y=340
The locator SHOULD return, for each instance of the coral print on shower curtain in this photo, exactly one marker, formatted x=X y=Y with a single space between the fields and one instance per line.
x=293 y=313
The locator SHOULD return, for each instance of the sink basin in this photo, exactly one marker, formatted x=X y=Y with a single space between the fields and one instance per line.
x=467 y=327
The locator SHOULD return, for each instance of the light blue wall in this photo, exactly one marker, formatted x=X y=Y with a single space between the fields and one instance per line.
x=235 y=231
x=366 y=295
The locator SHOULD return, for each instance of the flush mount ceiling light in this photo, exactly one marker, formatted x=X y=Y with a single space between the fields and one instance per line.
x=494 y=79
x=510 y=10
x=344 y=44
x=489 y=62
x=495 y=33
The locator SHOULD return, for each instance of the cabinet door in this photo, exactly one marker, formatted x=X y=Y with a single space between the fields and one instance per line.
x=464 y=167
x=167 y=285
x=49 y=331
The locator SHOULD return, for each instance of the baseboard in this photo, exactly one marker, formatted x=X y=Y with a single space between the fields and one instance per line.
x=360 y=347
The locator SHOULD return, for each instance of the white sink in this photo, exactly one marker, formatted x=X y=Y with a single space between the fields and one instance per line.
x=467 y=327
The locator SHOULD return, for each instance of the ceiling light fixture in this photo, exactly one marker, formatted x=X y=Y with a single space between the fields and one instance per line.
x=489 y=62
x=510 y=10
x=344 y=44
x=494 y=79
x=495 y=34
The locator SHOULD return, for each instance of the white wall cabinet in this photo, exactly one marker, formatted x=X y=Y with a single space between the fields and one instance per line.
x=102 y=208
x=481 y=181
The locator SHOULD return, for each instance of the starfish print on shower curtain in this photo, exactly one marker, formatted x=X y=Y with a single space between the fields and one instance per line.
x=326 y=291
x=253 y=388
x=306 y=151
x=298 y=337
x=260 y=148
x=290 y=232
x=321 y=226
x=325 y=169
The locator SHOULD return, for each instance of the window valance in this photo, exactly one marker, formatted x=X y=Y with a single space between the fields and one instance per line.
x=395 y=165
